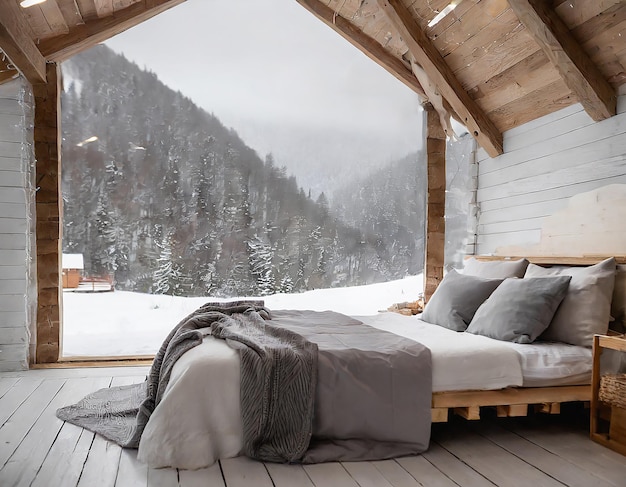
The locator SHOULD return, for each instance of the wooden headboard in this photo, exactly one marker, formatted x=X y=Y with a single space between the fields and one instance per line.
x=554 y=260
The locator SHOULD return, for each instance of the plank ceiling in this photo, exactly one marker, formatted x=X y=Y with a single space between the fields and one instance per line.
x=495 y=63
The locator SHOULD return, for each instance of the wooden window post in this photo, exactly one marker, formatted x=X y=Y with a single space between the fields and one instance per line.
x=47 y=137
x=435 y=202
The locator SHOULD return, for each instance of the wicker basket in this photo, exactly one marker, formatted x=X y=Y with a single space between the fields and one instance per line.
x=613 y=390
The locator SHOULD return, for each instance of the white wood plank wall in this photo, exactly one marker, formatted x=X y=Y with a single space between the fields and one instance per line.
x=15 y=228
x=545 y=162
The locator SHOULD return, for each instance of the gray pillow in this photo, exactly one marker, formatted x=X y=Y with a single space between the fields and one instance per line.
x=495 y=269
x=519 y=310
x=456 y=300
x=586 y=309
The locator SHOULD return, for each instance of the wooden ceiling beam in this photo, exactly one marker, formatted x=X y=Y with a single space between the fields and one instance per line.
x=576 y=68
x=364 y=43
x=92 y=32
x=428 y=57
x=17 y=44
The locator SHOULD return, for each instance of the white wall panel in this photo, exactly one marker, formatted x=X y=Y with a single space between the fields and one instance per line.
x=546 y=162
x=15 y=228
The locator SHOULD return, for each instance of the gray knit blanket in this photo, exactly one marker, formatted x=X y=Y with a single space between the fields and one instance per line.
x=277 y=421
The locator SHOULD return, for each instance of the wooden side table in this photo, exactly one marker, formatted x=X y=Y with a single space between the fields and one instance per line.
x=608 y=422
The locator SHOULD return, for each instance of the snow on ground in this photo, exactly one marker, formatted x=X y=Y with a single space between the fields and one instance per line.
x=124 y=323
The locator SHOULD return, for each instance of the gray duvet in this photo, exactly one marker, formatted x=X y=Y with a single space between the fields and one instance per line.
x=373 y=395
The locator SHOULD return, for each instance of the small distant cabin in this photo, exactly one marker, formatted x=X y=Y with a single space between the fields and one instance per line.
x=73 y=266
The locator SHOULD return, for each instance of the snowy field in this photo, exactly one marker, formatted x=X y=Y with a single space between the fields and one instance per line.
x=124 y=323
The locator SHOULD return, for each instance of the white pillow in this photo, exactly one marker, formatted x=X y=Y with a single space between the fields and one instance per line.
x=586 y=309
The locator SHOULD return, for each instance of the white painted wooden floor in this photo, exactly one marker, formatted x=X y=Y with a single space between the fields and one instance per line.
x=38 y=449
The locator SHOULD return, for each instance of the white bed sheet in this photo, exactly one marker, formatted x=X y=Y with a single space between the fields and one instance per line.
x=461 y=361
x=553 y=364
x=198 y=420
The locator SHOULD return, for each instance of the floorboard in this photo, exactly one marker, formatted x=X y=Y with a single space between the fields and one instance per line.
x=288 y=475
x=7 y=383
x=162 y=477
x=561 y=469
x=131 y=472
x=366 y=474
x=455 y=469
x=425 y=472
x=575 y=448
x=499 y=466
x=330 y=474
x=101 y=465
x=15 y=396
x=205 y=477
x=39 y=450
x=22 y=420
x=395 y=474
x=30 y=455
x=243 y=472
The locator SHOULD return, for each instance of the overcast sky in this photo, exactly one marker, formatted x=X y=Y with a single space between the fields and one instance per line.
x=281 y=78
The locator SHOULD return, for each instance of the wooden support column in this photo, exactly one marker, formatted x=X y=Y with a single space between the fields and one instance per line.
x=47 y=136
x=435 y=202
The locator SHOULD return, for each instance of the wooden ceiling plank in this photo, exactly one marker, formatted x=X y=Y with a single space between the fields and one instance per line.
x=87 y=9
x=580 y=74
x=500 y=28
x=54 y=18
x=84 y=36
x=120 y=4
x=492 y=60
x=525 y=82
x=36 y=20
x=549 y=99
x=17 y=44
x=466 y=20
x=367 y=45
x=584 y=11
x=71 y=13
x=427 y=56
x=104 y=7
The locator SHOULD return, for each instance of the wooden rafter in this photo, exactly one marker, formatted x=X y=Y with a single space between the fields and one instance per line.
x=84 y=36
x=17 y=44
x=427 y=56
x=579 y=73
x=366 y=44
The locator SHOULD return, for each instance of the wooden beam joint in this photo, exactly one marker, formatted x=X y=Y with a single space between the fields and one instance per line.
x=16 y=43
x=438 y=71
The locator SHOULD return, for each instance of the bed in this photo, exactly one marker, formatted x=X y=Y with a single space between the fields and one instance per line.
x=205 y=383
x=198 y=419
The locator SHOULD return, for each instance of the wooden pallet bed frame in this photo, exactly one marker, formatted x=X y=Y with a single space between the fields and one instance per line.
x=515 y=401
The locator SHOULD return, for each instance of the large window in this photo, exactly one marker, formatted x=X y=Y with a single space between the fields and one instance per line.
x=292 y=172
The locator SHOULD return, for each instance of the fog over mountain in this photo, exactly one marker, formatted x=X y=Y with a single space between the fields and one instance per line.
x=287 y=83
